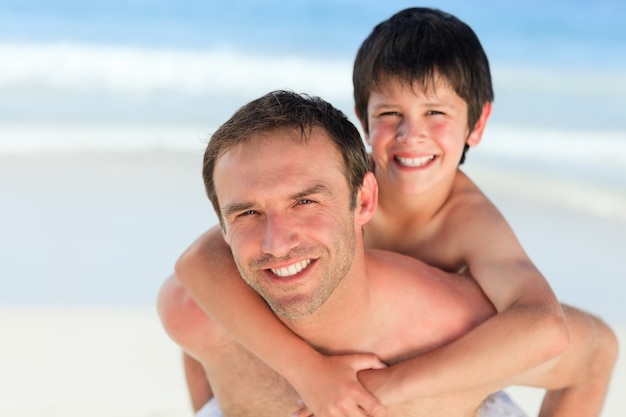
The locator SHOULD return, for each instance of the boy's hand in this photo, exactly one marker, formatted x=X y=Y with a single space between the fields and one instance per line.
x=333 y=390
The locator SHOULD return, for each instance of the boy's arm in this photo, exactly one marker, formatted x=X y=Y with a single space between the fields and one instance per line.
x=327 y=385
x=529 y=328
x=180 y=318
x=528 y=331
x=577 y=380
x=197 y=383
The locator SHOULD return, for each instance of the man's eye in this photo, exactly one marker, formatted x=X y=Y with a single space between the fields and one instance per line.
x=305 y=201
x=247 y=213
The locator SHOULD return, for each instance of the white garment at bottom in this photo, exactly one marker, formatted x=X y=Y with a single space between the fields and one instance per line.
x=210 y=409
x=500 y=404
x=496 y=405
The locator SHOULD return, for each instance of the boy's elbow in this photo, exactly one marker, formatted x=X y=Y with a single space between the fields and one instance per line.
x=561 y=339
x=557 y=333
x=182 y=266
x=206 y=253
x=170 y=299
x=608 y=344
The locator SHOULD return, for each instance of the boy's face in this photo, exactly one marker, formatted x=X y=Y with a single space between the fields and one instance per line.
x=417 y=136
x=287 y=218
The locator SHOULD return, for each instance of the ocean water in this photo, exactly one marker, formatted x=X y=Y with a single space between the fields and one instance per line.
x=75 y=67
x=156 y=77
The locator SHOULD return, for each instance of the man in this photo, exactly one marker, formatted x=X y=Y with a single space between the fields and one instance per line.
x=288 y=178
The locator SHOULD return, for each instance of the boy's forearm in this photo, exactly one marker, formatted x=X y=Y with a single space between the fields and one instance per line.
x=493 y=355
x=209 y=274
x=197 y=383
x=582 y=375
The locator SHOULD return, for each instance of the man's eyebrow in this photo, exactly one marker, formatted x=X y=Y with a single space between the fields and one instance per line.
x=238 y=207
x=235 y=208
x=315 y=189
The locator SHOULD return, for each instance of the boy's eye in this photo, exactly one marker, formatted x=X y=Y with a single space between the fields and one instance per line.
x=389 y=113
x=434 y=112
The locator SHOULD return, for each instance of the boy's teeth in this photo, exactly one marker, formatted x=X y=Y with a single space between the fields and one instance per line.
x=415 y=162
x=292 y=269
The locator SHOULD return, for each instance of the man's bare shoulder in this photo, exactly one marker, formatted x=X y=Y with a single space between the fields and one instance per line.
x=404 y=287
x=400 y=275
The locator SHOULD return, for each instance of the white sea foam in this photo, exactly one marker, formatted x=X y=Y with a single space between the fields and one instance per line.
x=577 y=169
x=73 y=138
x=571 y=81
x=105 y=97
x=125 y=69
x=582 y=148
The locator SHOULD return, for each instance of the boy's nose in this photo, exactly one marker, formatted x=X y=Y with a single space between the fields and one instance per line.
x=280 y=237
x=411 y=131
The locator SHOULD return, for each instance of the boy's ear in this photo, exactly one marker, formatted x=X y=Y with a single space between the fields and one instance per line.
x=367 y=199
x=363 y=126
x=477 y=134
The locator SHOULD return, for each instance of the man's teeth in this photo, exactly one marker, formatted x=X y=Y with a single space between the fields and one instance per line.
x=292 y=269
x=415 y=162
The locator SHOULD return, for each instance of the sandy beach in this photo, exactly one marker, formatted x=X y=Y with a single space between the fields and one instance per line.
x=119 y=362
x=88 y=238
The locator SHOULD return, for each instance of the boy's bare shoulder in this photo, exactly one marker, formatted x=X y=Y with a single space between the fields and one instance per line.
x=467 y=218
x=468 y=201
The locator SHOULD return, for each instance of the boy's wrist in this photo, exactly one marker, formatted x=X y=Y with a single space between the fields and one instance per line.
x=379 y=382
x=296 y=365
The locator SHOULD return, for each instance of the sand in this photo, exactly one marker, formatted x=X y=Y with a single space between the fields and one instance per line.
x=119 y=362
x=88 y=239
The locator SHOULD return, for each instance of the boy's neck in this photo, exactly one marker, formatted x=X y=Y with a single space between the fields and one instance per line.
x=419 y=208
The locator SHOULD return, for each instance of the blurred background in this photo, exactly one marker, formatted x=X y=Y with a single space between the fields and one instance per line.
x=152 y=79
x=105 y=107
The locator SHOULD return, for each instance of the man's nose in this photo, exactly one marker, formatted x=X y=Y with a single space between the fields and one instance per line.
x=281 y=235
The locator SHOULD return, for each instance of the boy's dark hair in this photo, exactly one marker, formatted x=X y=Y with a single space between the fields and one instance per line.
x=415 y=45
x=287 y=111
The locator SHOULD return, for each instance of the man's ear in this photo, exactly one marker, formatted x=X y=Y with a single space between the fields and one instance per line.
x=224 y=236
x=366 y=134
x=476 y=135
x=367 y=199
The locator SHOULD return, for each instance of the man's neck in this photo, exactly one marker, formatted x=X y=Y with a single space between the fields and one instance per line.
x=336 y=325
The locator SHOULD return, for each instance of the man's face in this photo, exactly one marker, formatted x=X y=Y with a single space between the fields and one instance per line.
x=285 y=206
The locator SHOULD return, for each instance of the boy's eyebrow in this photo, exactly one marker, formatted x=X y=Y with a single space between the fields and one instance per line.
x=437 y=102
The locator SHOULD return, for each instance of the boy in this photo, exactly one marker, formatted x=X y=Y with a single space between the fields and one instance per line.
x=423 y=95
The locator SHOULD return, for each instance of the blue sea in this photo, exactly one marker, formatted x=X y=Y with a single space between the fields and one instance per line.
x=559 y=68
x=560 y=63
x=80 y=78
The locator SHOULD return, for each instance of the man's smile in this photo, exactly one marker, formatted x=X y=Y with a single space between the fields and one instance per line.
x=293 y=269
